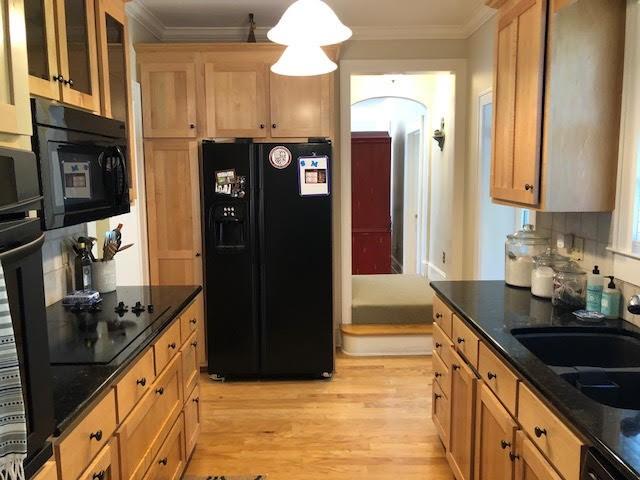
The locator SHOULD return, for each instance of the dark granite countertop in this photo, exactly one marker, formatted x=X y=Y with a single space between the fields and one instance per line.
x=76 y=386
x=494 y=309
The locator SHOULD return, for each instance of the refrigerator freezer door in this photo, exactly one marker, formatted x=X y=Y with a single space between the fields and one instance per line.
x=296 y=269
x=231 y=276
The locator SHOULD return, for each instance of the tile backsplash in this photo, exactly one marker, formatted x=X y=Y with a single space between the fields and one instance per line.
x=57 y=263
x=595 y=230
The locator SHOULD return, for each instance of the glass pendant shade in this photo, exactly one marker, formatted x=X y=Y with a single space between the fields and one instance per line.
x=309 y=22
x=303 y=61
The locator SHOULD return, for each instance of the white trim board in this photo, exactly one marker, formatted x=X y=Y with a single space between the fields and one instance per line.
x=387 y=345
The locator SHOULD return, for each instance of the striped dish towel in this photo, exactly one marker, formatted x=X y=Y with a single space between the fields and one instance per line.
x=13 y=425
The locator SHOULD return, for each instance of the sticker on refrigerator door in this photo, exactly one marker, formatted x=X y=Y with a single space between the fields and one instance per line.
x=224 y=181
x=280 y=157
x=313 y=176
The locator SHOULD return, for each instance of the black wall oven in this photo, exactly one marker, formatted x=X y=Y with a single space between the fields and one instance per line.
x=82 y=160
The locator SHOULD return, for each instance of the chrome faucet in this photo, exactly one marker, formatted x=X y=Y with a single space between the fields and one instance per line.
x=634 y=305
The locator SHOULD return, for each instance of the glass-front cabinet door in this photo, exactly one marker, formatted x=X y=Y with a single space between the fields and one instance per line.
x=15 y=114
x=44 y=75
x=78 y=53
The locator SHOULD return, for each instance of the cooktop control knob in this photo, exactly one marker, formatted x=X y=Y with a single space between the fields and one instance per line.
x=138 y=308
x=121 y=309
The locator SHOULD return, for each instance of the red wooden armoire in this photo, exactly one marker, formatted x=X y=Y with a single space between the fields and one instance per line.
x=370 y=203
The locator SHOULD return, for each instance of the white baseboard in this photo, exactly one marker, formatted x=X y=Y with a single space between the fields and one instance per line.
x=386 y=345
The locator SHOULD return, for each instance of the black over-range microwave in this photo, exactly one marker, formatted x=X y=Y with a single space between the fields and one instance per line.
x=82 y=161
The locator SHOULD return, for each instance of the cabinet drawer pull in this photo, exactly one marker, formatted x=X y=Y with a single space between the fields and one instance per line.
x=528 y=187
x=163 y=461
x=196 y=400
x=97 y=435
x=460 y=339
x=455 y=367
x=540 y=431
x=194 y=344
x=437 y=396
x=141 y=381
x=160 y=391
x=192 y=126
x=438 y=316
x=513 y=457
x=437 y=375
x=438 y=344
x=504 y=444
x=172 y=345
x=193 y=321
x=262 y=126
x=274 y=125
x=491 y=375
x=99 y=475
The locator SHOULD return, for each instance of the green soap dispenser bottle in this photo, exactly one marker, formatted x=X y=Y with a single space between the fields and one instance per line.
x=610 y=307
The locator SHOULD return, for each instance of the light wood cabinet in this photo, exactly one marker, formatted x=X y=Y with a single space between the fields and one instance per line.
x=106 y=466
x=192 y=320
x=300 y=106
x=557 y=94
x=171 y=460
x=173 y=212
x=440 y=414
x=166 y=347
x=495 y=438
x=530 y=464
x=498 y=377
x=169 y=100
x=192 y=420
x=42 y=49
x=442 y=316
x=132 y=387
x=15 y=111
x=49 y=471
x=465 y=341
x=236 y=98
x=190 y=365
x=461 y=431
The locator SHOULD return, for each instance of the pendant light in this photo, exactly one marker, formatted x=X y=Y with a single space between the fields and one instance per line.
x=309 y=22
x=303 y=61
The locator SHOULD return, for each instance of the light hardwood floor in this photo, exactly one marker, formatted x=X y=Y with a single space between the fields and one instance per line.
x=372 y=421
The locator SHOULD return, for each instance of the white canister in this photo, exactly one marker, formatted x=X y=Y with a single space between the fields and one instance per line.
x=104 y=276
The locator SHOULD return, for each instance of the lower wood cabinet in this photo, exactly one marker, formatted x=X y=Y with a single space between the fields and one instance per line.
x=192 y=420
x=190 y=367
x=530 y=464
x=106 y=465
x=132 y=387
x=167 y=347
x=171 y=460
x=440 y=414
x=461 y=432
x=49 y=471
x=495 y=438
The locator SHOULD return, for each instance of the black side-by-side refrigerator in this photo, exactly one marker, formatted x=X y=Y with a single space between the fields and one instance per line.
x=268 y=262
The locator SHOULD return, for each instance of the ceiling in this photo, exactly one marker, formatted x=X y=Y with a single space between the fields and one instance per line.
x=228 y=19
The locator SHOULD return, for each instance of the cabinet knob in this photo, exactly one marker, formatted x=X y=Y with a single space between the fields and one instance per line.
x=513 y=457
x=141 y=381
x=528 y=187
x=99 y=475
x=160 y=391
x=437 y=375
x=455 y=367
x=163 y=461
x=193 y=321
x=274 y=125
x=172 y=345
x=540 y=431
x=192 y=126
x=437 y=396
x=504 y=444
x=438 y=315
x=262 y=126
x=58 y=78
x=198 y=254
x=438 y=344
x=70 y=82
x=491 y=375
x=194 y=344
x=460 y=339
x=97 y=435
x=196 y=400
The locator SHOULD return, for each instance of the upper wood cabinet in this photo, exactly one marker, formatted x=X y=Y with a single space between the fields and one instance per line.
x=236 y=98
x=42 y=49
x=557 y=94
x=169 y=100
x=15 y=112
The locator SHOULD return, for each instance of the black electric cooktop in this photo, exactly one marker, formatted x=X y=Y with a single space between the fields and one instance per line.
x=98 y=334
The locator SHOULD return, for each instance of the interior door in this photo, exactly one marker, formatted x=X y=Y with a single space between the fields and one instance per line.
x=76 y=23
x=173 y=210
x=300 y=106
x=236 y=98
x=15 y=113
x=518 y=91
x=168 y=100
x=42 y=52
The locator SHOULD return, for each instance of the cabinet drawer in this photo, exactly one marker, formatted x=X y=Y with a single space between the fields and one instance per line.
x=143 y=432
x=190 y=369
x=166 y=346
x=442 y=315
x=440 y=341
x=76 y=450
x=441 y=374
x=440 y=414
x=135 y=384
x=465 y=341
x=189 y=321
x=49 y=471
x=192 y=420
x=498 y=377
x=170 y=461
x=105 y=466
x=554 y=439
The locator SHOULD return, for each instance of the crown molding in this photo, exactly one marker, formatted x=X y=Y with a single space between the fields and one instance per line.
x=136 y=10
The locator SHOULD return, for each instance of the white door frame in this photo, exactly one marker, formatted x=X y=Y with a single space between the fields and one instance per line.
x=411 y=200
x=458 y=67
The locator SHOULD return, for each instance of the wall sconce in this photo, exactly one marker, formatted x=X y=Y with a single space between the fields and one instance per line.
x=439 y=136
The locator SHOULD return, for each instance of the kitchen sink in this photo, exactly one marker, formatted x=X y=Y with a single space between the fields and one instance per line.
x=603 y=363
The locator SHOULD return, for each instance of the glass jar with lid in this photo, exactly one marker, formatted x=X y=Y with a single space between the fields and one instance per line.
x=570 y=287
x=543 y=272
x=520 y=248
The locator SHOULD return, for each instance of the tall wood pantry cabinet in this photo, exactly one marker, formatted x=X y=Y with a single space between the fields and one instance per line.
x=557 y=94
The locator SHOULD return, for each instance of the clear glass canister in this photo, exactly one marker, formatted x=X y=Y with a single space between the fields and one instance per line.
x=543 y=272
x=570 y=287
x=520 y=248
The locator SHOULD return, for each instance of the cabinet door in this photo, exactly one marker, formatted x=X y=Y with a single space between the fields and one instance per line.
x=440 y=414
x=48 y=471
x=168 y=100
x=192 y=420
x=495 y=438
x=463 y=390
x=518 y=93
x=78 y=53
x=15 y=111
x=300 y=106
x=530 y=464
x=236 y=96
x=171 y=459
x=41 y=48
x=106 y=465
x=173 y=212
